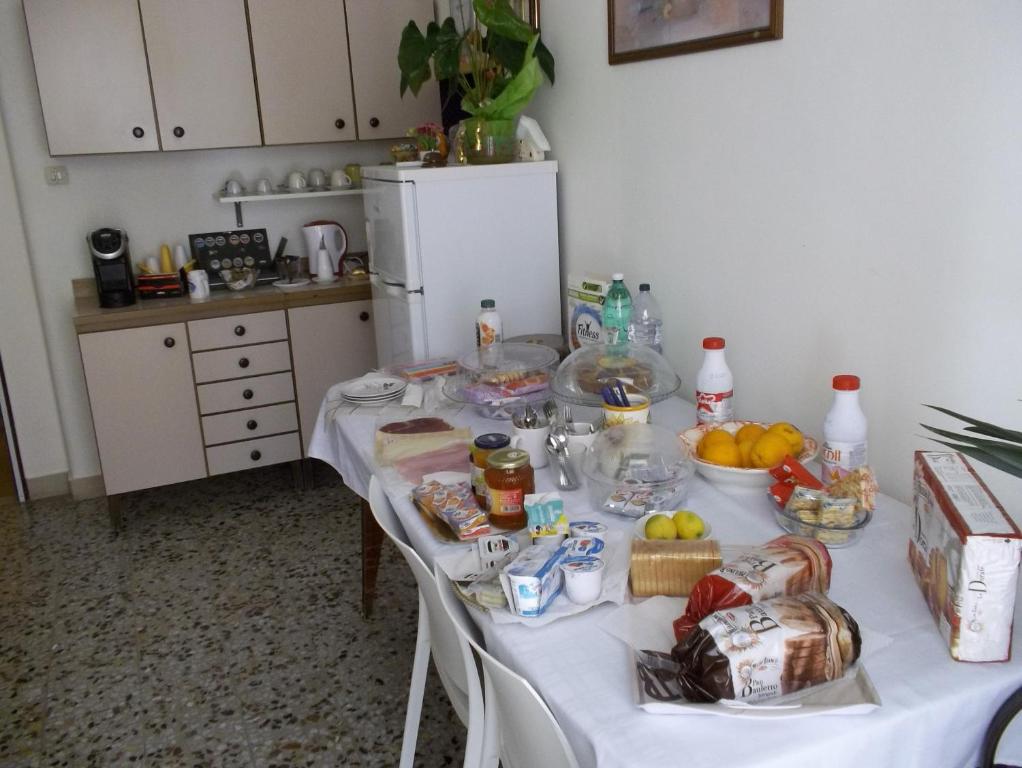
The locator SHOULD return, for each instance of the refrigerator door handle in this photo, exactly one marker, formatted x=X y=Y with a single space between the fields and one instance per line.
x=396 y=290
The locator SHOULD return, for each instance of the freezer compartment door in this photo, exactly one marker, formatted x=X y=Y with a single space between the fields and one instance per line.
x=399 y=323
x=391 y=232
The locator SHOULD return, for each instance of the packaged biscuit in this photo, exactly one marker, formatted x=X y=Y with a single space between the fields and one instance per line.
x=964 y=552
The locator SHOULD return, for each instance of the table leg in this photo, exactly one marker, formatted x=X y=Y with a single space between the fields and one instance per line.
x=372 y=540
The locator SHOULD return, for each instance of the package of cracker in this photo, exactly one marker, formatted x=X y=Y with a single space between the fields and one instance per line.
x=787 y=565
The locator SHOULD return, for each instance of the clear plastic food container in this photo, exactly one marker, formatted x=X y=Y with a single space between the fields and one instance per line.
x=503 y=378
x=833 y=535
x=633 y=469
x=582 y=376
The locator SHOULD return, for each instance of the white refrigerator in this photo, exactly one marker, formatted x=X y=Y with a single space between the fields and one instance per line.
x=442 y=239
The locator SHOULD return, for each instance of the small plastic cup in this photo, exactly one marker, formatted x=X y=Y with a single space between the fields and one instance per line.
x=583 y=579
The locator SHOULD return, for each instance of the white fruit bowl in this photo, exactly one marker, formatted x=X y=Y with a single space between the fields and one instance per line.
x=738 y=478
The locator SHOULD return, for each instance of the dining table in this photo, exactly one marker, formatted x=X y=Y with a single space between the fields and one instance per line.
x=933 y=710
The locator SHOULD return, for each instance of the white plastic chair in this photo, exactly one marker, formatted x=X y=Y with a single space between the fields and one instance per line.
x=452 y=655
x=517 y=718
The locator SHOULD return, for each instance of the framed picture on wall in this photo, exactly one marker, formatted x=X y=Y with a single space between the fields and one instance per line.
x=651 y=29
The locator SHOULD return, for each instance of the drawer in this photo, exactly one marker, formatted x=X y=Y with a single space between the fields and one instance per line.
x=245 y=393
x=231 y=363
x=253 y=453
x=236 y=330
x=253 y=422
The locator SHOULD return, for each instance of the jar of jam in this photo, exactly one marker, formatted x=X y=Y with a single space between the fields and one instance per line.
x=482 y=448
x=509 y=477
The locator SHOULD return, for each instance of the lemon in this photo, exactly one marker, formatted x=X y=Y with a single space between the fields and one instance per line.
x=688 y=524
x=769 y=450
x=661 y=527
x=724 y=454
x=789 y=433
x=749 y=432
x=713 y=437
x=745 y=448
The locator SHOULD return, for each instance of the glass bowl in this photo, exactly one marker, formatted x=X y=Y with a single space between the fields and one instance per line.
x=238 y=279
x=634 y=469
x=503 y=378
x=833 y=536
x=583 y=374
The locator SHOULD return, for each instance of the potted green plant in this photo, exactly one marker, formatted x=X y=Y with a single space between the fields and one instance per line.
x=496 y=64
x=1004 y=452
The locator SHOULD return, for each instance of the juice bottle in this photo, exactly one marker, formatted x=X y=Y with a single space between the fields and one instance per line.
x=489 y=329
x=844 y=430
x=715 y=386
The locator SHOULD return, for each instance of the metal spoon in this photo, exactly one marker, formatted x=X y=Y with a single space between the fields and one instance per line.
x=566 y=480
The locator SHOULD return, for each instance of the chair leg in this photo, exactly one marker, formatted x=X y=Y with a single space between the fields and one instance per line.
x=417 y=688
x=490 y=749
x=372 y=541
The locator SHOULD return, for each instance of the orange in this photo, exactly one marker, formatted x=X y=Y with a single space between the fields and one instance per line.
x=789 y=433
x=750 y=432
x=713 y=437
x=723 y=453
x=745 y=448
x=769 y=450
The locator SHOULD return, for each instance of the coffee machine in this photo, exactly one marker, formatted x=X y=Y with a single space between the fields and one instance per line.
x=111 y=262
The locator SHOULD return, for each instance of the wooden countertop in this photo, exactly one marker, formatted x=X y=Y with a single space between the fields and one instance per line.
x=89 y=317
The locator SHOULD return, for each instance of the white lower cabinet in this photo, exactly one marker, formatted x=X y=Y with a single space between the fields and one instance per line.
x=143 y=406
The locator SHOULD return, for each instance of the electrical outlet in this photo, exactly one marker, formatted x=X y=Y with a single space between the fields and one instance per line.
x=57 y=174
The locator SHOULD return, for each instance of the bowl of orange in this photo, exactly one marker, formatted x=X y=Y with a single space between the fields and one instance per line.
x=740 y=454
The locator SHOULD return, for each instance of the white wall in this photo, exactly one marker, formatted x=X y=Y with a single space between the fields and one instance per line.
x=156 y=197
x=845 y=199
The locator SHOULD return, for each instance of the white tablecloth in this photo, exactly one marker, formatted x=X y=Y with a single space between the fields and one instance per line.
x=934 y=712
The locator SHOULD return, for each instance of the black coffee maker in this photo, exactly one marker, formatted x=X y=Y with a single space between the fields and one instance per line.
x=111 y=261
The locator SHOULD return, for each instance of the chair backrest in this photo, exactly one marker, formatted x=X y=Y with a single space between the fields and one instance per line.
x=528 y=731
x=451 y=653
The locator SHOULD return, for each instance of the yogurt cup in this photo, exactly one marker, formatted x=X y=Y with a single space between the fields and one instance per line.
x=583 y=579
x=587 y=529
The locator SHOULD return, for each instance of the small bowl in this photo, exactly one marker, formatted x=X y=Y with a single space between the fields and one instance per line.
x=738 y=477
x=834 y=537
x=238 y=279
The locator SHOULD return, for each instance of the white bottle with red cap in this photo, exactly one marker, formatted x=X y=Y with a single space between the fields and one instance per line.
x=844 y=431
x=715 y=386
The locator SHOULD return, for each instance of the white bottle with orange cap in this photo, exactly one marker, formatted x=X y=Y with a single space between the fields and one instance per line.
x=715 y=386
x=844 y=430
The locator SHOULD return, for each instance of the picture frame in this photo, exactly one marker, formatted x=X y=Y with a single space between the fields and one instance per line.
x=639 y=30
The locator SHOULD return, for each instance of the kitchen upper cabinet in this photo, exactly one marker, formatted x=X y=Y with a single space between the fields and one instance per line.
x=143 y=406
x=374 y=34
x=302 y=70
x=201 y=69
x=90 y=66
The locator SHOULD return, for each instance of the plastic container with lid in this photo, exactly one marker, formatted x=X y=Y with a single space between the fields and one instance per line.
x=844 y=430
x=583 y=374
x=489 y=329
x=502 y=378
x=715 y=386
x=633 y=469
x=482 y=448
x=509 y=477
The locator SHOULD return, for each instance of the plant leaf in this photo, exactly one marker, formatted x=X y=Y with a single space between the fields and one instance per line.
x=981 y=427
x=447 y=50
x=516 y=94
x=413 y=58
x=510 y=53
x=980 y=455
x=987 y=445
x=546 y=60
x=498 y=16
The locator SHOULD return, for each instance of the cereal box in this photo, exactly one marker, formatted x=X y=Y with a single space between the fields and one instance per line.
x=964 y=552
x=585 y=310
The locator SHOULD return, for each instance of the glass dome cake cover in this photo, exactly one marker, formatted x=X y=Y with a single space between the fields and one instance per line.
x=583 y=374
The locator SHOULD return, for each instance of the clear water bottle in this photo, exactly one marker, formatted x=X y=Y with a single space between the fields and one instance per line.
x=647 y=325
x=617 y=311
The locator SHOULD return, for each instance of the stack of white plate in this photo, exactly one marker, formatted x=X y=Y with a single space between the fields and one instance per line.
x=373 y=390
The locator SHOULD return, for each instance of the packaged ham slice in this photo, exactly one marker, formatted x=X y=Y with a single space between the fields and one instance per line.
x=768 y=649
x=787 y=565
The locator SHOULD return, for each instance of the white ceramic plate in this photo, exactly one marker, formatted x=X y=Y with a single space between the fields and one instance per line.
x=736 y=477
x=640 y=526
x=372 y=387
x=284 y=285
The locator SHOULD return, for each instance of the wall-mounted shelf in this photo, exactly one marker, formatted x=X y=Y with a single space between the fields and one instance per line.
x=237 y=200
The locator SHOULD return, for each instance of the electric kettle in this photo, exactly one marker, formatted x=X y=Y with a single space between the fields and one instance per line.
x=333 y=236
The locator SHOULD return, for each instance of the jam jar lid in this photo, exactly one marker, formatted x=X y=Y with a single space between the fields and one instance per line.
x=508 y=458
x=491 y=441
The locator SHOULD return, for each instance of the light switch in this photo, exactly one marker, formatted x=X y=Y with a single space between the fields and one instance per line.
x=57 y=174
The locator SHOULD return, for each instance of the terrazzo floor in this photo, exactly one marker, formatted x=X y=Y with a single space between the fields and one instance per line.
x=221 y=628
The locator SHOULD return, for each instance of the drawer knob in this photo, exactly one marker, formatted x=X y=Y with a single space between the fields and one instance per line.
x=239 y=330
x=138 y=132
x=243 y=362
x=255 y=455
x=251 y=424
x=363 y=316
x=169 y=342
x=179 y=131
x=339 y=124
x=374 y=122
x=248 y=394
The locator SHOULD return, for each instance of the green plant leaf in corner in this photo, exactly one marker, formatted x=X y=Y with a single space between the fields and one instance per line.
x=446 y=43
x=980 y=455
x=498 y=16
x=981 y=427
x=413 y=58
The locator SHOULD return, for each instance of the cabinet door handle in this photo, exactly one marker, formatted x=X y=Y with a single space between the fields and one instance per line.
x=179 y=131
x=252 y=424
x=248 y=394
x=239 y=330
x=363 y=316
x=243 y=362
x=339 y=124
x=374 y=122
x=169 y=342
x=255 y=455
x=138 y=132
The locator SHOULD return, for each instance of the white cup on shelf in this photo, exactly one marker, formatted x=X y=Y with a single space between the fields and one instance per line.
x=233 y=188
x=296 y=181
x=263 y=187
x=317 y=177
